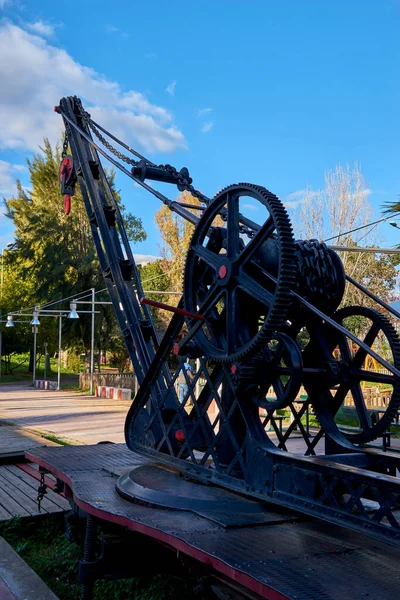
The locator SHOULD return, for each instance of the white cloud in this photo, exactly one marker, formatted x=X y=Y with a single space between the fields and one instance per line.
x=7 y=177
x=207 y=126
x=203 y=111
x=147 y=132
x=145 y=258
x=151 y=56
x=295 y=198
x=360 y=194
x=250 y=207
x=170 y=89
x=35 y=74
x=41 y=28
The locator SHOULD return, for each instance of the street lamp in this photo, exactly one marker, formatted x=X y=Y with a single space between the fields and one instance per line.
x=9 y=321
x=35 y=320
x=72 y=307
x=394 y=224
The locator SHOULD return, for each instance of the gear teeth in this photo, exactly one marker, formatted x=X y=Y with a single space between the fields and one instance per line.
x=394 y=404
x=285 y=279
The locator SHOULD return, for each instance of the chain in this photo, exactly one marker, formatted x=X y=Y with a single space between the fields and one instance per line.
x=86 y=118
x=111 y=148
x=65 y=142
x=42 y=490
x=181 y=181
x=317 y=270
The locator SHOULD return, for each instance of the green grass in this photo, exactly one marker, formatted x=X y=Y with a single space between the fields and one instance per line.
x=42 y=545
x=22 y=369
x=52 y=438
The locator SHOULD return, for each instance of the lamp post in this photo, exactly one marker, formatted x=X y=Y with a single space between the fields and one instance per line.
x=35 y=322
x=59 y=353
x=92 y=346
x=74 y=315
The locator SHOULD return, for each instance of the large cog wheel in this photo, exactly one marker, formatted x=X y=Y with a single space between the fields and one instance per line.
x=353 y=372
x=242 y=297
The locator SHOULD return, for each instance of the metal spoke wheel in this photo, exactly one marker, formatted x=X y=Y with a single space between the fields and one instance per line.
x=281 y=373
x=242 y=295
x=356 y=391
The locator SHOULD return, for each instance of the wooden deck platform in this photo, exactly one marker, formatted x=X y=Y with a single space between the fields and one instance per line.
x=18 y=495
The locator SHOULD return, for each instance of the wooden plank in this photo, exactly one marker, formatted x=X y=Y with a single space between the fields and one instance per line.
x=4 y=515
x=23 y=472
x=30 y=491
x=26 y=478
x=10 y=505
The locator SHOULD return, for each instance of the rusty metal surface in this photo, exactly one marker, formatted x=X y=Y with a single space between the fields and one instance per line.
x=305 y=560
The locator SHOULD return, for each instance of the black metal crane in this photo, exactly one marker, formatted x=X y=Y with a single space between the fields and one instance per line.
x=259 y=311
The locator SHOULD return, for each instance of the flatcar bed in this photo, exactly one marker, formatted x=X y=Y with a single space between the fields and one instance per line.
x=283 y=556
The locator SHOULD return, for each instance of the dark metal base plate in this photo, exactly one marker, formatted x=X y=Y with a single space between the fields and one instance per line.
x=305 y=560
x=162 y=487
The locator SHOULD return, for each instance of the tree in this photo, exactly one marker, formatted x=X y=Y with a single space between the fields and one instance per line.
x=333 y=212
x=392 y=208
x=55 y=252
x=156 y=276
x=176 y=233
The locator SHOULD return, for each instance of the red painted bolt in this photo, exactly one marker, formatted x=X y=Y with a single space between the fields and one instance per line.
x=179 y=435
x=222 y=272
x=234 y=369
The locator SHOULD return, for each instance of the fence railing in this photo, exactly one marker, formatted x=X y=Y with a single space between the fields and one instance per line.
x=124 y=380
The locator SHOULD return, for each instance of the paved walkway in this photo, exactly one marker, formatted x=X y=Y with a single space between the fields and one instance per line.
x=75 y=417
x=69 y=415
x=25 y=414
x=17 y=580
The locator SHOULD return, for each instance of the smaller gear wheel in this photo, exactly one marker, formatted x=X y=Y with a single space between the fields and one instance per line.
x=279 y=374
x=242 y=299
x=352 y=375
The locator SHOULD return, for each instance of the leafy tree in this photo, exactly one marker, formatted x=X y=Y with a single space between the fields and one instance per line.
x=53 y=252
x=156 y=276
x=376 y=272
x=176 y=234
x=118 y=353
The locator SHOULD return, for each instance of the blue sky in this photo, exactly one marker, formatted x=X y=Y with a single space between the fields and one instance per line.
x=273 y=93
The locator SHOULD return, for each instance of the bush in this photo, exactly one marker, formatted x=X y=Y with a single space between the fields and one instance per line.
x=73 y=363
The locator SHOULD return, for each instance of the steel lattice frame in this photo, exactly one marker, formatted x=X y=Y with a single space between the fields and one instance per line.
x=349 y=485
